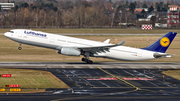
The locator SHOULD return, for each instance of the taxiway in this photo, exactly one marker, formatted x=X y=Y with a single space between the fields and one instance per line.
x=104 y=81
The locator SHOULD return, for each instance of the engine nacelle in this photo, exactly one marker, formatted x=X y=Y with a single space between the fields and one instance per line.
x=69 y=51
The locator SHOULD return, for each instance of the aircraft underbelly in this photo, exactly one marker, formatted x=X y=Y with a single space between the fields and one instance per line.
x=129 y=56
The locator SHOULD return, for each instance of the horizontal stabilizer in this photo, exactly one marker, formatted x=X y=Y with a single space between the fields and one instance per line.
x=162 y=55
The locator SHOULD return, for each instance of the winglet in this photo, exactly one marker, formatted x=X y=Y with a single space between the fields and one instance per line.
x=107 y=41
x=121 y=43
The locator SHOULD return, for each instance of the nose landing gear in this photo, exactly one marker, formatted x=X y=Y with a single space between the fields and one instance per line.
x=19 y=46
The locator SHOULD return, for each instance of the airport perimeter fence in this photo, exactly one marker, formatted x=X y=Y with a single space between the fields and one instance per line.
x=78 y=27
x=63 y=27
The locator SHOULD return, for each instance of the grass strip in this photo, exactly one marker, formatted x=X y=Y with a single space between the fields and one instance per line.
x=27 y=78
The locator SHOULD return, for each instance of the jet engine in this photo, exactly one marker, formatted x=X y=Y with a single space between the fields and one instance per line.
x=69 y=51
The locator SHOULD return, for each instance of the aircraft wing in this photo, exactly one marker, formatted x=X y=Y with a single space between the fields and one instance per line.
x=99 y=49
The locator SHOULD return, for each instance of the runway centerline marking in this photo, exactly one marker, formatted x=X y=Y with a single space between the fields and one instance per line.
x=118 y=78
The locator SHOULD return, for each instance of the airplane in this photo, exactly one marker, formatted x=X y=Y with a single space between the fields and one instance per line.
x=75 y=46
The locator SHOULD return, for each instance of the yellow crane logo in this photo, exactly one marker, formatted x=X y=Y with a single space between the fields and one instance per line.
x=164 y=41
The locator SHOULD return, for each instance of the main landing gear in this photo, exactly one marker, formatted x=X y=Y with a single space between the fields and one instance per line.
x=19 y=46
x=86 y=58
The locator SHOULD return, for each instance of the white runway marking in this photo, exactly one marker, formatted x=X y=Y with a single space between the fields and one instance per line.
x=112 y=65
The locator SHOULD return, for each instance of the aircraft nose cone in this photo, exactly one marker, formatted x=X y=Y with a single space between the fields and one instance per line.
x=6 y=34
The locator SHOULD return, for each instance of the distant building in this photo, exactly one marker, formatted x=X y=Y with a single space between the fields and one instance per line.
x=173 y=16
x=6 y=6
x=30 y=1
x=151 y=14
x=139 y=10
x=160 y=25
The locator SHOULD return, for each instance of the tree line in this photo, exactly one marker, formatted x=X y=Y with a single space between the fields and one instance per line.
x=74 y=13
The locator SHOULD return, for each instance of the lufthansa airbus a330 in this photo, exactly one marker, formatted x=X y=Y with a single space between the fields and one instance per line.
x=75 y=46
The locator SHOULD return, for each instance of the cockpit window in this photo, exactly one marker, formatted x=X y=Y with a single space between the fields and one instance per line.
x=11 y=31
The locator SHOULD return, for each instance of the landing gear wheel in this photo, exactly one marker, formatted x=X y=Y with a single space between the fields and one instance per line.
x=19 y=48
x=86 y=58
x=83 y=59
x=87 y=61
x=90 y=62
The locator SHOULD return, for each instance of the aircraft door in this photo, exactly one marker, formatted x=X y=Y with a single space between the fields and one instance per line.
x=19 y=33
x=51 y=39
x=24 y=34
x=139 y=54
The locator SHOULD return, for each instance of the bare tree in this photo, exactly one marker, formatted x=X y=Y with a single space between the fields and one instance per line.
x=120 y=13
x=2 y=19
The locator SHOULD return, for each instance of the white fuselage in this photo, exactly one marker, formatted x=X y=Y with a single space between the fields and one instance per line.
x=54 y=41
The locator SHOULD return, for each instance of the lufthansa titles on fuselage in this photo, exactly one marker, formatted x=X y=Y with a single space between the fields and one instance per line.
x=35 y=34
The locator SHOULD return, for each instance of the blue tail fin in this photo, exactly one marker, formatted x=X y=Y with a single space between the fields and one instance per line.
x=162 y=44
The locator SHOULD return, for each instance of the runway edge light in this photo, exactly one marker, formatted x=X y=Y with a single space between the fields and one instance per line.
x=6 y=86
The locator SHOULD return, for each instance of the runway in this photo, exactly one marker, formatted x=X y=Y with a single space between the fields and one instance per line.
x=110 y=65
x=104 y=81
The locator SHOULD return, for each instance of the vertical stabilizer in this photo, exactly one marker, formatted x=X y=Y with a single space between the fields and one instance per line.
x=162 y=44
